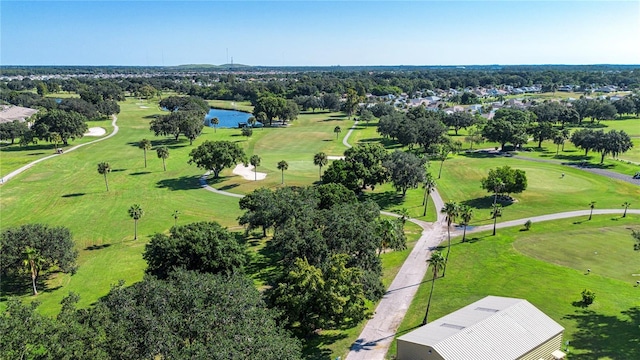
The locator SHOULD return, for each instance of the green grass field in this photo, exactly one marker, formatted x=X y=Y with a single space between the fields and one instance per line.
x=231 y=105
x=15 y=156
x=296 y=144
x=68 y=191
x=547 y=191
x=547 y=266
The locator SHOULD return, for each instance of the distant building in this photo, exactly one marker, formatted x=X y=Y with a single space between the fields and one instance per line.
x=476 y=108
x=491 y=328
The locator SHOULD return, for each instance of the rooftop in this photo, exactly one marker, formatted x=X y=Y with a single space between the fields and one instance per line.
x=9 y=113
x=493 y=325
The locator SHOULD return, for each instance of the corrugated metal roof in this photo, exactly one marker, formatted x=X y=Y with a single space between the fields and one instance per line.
x=493 y=326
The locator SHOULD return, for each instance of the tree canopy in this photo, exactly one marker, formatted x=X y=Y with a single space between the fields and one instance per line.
x=216 y=155
x=53 y=246
x=69 y=125
x=406 y=170
x=313 y=298
x=188 y=315
x=203 y=246
x=507 y=125
x=505 y=180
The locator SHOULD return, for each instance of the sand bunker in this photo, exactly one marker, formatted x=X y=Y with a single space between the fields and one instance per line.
x=248 y=173
x=331 y=157
x=143 y=107
x=95 y=131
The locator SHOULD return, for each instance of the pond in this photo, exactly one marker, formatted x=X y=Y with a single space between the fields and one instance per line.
x=228 y=118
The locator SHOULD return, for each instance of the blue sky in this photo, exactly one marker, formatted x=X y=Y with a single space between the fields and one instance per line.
x=319 y=32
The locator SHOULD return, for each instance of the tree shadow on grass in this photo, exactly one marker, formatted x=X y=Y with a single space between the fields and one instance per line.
x=605 y=336
x=386 y=142
x=485 y=202
x=33 y=147
x=386 y=199
x=182 y=183
x=170 y=143
x=313 y=346
x=97 y=247
x=213 y=180
x=265 y=263
x=228 y=187
x=73 y=195
x=20 y=285
x=478 y=154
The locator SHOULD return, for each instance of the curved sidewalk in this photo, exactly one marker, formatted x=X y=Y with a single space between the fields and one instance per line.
x=203 y=183
x=379 y=332
x=345 y=140
x=29 y=165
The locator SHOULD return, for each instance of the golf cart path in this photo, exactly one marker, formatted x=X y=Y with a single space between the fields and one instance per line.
x=536 y=219
x=606 y=173
x=345 y=141
x=29 y=165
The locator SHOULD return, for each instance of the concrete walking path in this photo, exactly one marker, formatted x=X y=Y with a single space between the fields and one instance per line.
x=29 y=165
x=203 y=183
x=380 y=330
x=345 y=140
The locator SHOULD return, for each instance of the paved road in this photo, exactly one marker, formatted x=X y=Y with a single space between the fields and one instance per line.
x=29 y=165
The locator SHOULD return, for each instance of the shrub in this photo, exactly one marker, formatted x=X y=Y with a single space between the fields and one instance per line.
x=588 y=296
x=527 y=225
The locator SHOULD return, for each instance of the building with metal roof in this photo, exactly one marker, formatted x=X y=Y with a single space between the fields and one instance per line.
x=9 y=113
x=491 y=328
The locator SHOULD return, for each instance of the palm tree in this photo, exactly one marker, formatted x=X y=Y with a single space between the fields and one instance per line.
x=55 y=139
x=466 y=213
x=282 y=166
x=215 y=121
x=163 y=153
x=175 y=217
x=444 y=152
x=337 y=130
x=626 y=205
x=145 y=145
x=386 y=230
x=255 y=161
x=591 y=206
x=320 y=159
x=429 y=185
x=404 y=216
x=498 y=187
x=136 y=212
x=496 y=212
x=450 y=209
x=437 y=263
x=558 y=139
x=565 y=134
x=33 y=261
x=104 y=168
